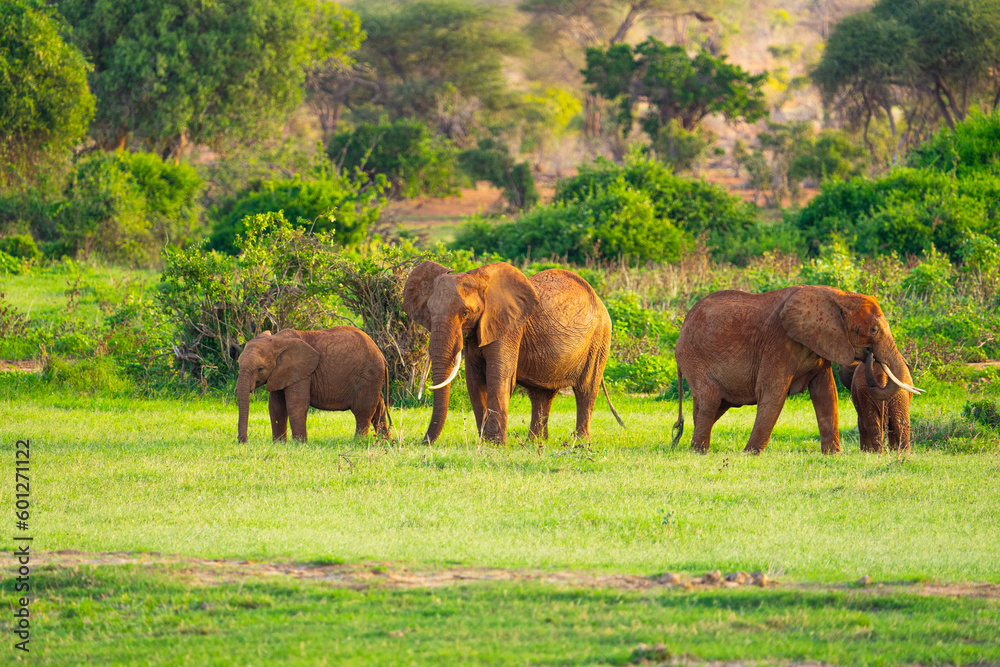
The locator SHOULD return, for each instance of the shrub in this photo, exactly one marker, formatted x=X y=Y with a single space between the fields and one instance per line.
x=217 y=302
x=647 y=374
x=618 y=222
x=974 y=145
x=491 y=161
x=835 y=267
x=694 y=206
x=931 y=278
x=127 y=206
x=905 y=212
x=92 y=376
x=415 y=161
x=21 y=246
x=343 y=206
x=983 y=412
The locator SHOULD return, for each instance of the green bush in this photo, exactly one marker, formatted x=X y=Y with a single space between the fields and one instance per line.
x=931 y=278
x=983 y=412
x=121 y=206
x=343 y=206
x=646 y=375
x=695 y=206
x=973 y=146
x=415 y=161
x=618 y=222
x=491 y=161
x=21 y=246
x=835 y=267
x=905 y=212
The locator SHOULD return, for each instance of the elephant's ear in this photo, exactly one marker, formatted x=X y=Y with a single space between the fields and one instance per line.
x=509 y=301
x=813 y=317
x=418 y=289
x=296 y=360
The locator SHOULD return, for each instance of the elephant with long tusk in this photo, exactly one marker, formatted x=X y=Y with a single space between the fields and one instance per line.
x=543 y=333
x=737 y=349
x=882 y=411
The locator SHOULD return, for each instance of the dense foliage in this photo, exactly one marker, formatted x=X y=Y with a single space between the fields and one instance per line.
x=674 y=85
x=45 y=104
x=118 y=205
x=949 y=197
x=415 y=161
x=176 y=71
x=491 y=161
x=322 y=202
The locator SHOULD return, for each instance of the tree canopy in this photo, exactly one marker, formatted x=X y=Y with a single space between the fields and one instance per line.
x=45 y=104
x=167 y=72
x=676 y=86
x=429 y=50
x=932 y=58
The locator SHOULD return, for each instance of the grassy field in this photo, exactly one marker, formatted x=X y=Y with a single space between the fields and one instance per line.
x=339 y=551
x=166 y=475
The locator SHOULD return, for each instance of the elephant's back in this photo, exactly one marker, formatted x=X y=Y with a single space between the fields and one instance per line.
x=567 y=301
x=351 y=369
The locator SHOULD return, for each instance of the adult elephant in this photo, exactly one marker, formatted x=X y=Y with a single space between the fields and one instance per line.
x=737 y=348
x=544 y=333
x=881 y=411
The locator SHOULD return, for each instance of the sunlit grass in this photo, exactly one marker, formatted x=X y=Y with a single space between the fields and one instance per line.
x=168 y=475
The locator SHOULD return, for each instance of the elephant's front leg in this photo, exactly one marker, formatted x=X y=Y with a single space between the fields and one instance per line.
x=297 y=404
x=475 y=382
x=823 y=393
x=279 y=414
x=501 y=372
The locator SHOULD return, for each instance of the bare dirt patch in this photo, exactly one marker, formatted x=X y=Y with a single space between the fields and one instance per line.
x=27 y=366
x=360 y=576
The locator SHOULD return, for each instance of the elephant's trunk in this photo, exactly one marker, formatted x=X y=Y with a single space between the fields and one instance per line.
x=445 y=346
x=886 y=373
x=244 y=385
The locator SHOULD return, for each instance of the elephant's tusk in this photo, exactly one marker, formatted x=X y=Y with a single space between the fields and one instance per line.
x=423 y=377
x=903 y=385
x=454 y=372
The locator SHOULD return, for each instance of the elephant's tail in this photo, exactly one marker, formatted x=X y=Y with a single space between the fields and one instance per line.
x=388 y=412
x=610 y=405
x=679 y=424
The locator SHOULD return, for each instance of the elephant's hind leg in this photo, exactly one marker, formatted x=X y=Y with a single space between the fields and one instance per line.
x=586 y=398
x=707 y=409
x=541 y=404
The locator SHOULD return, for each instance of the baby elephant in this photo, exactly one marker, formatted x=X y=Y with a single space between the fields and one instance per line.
x=333 y=369
x=878 y=418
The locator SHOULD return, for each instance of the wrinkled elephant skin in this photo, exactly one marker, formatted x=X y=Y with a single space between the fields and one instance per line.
x=543 y=333
x=737 y=349
x=332 y=369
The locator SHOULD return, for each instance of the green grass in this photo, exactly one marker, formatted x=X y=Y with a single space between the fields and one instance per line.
x=166 y=615
x=168 y=475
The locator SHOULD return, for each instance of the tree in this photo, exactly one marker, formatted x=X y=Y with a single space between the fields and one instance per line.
x=331 y=80
x=568 y=27
x=169 y=72
x=45 y=105
x=932 y=59
x=426 y=49
x=675 y=86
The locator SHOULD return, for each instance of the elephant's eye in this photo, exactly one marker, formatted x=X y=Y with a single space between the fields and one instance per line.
x=260 y=368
